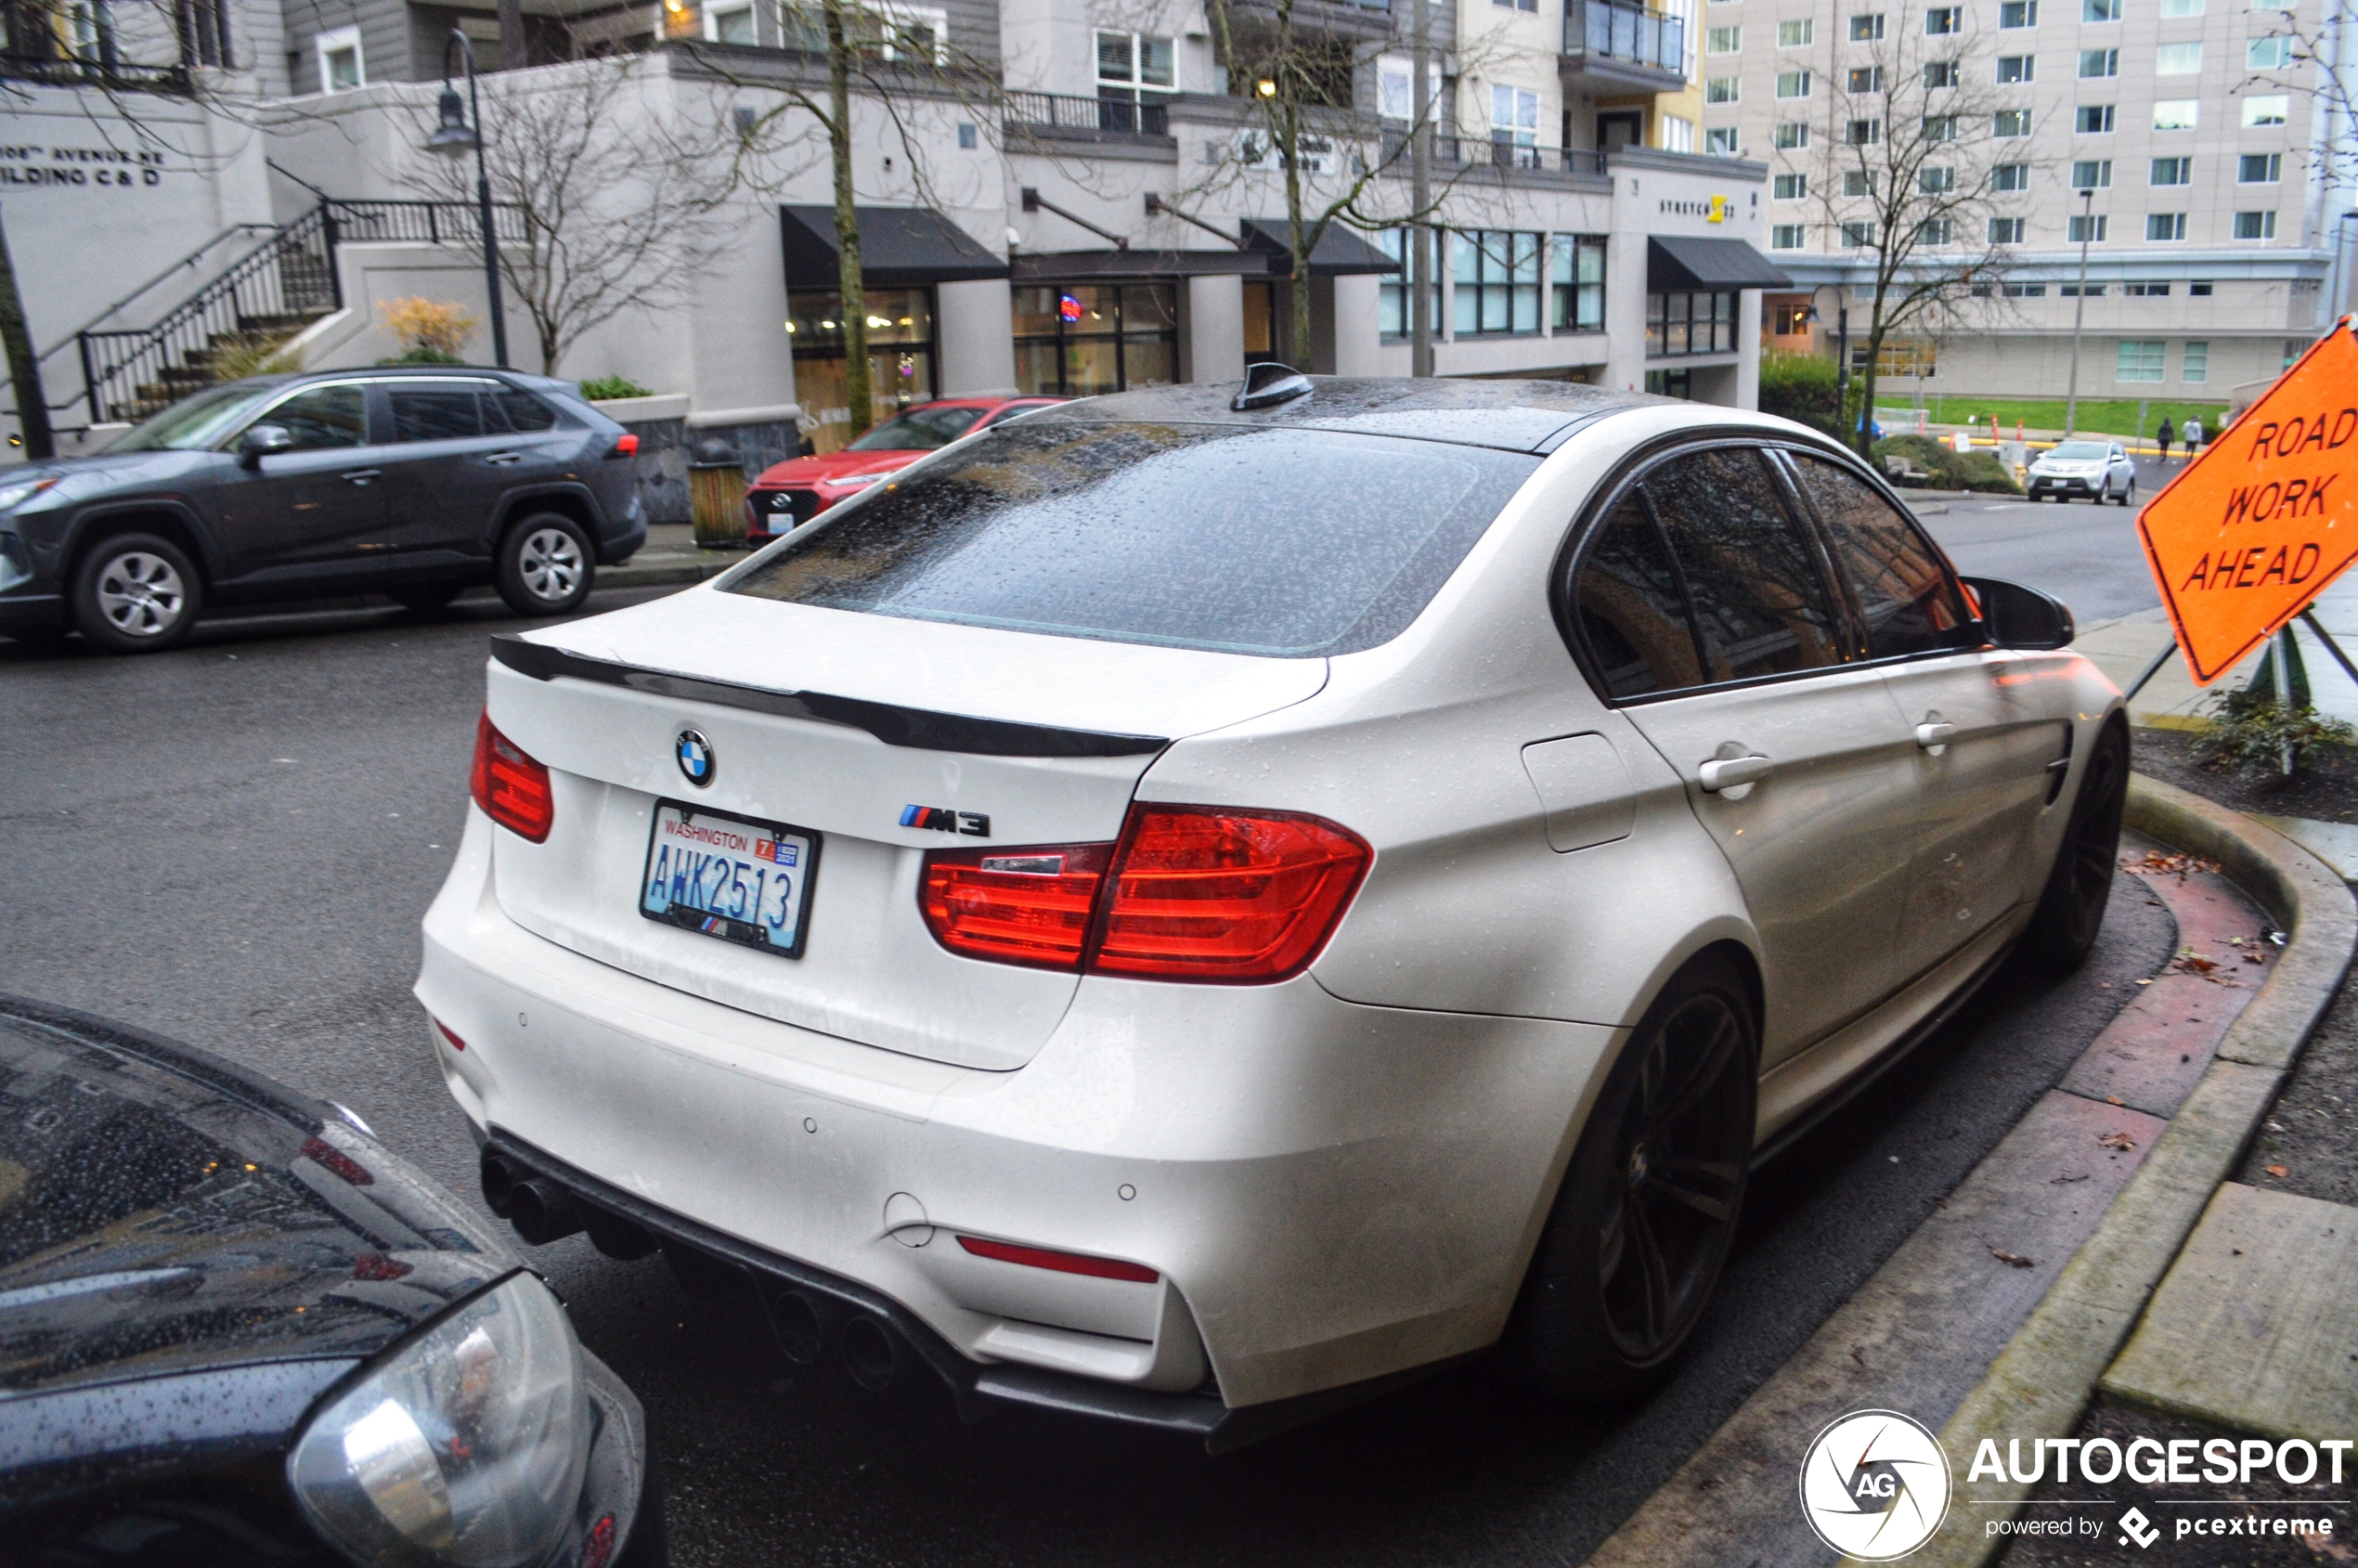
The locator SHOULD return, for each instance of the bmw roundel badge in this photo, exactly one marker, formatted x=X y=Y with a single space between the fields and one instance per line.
x=693 y=753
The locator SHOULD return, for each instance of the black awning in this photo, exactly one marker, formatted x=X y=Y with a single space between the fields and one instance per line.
x=1081 y=266
x=1678 y=263
x=899 y=248
x=1338 y=251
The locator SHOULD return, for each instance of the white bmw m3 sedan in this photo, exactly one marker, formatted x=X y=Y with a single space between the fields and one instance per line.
x=1200 y=905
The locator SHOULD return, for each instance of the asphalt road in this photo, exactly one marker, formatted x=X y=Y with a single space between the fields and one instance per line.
x=2084 y=554
x=232 y=843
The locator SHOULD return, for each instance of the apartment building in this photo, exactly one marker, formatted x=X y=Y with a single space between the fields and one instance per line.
x=2180 y=140
x=1063 y=195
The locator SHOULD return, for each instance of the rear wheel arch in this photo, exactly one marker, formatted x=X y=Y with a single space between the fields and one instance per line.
x=566 y=502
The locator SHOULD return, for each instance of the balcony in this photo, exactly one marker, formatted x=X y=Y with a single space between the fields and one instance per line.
x=1057 y=117
x=114 y=76
x=1624 y=45
x=1452 y=152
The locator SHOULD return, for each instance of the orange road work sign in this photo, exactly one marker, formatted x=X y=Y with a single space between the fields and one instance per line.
x=2252 y=531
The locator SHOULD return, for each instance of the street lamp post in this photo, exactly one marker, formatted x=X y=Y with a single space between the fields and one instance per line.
x=2079 y=310
x=452 y=139
x=1841 y=350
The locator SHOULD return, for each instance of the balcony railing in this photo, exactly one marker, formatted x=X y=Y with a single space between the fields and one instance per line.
x=1473 y=152
x=116 y=76
x=1120 y=117
x=1599 y=31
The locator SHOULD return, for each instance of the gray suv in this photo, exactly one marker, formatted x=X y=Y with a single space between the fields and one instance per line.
x=415 y=482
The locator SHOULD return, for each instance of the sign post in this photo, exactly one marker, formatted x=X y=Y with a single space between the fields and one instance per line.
x=2248 y=535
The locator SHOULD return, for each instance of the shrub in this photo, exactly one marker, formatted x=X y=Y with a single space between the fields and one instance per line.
x=254 y=354
x=431 y=331
x=600 y=389
x=2249 y=731
x=1800 y=386
x=1951 y=469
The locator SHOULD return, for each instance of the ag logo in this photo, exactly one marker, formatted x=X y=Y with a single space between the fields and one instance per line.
x=1874 y=1485
x=2135 y=1526
x=693 y=753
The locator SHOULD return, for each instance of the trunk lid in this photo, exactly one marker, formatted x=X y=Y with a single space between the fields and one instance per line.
x=832 y=723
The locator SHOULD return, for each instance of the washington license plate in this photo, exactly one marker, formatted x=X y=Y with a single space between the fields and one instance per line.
x=738 y=879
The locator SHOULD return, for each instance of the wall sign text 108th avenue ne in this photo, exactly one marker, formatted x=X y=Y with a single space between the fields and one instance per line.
x=82 y=166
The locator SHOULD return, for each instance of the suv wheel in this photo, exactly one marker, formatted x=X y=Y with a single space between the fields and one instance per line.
x=136 y=594
x=545 y=566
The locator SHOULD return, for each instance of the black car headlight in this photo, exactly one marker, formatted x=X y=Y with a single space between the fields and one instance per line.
x=466 y=1446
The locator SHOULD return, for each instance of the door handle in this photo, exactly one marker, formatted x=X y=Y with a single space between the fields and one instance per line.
x=1934 y=733
x=360 y=475
x=504 y=458
x=1731 y=772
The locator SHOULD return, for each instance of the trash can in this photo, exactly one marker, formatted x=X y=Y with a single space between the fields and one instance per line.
x=716 y=494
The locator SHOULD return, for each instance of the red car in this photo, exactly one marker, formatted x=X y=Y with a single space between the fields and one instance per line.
x=794 y=492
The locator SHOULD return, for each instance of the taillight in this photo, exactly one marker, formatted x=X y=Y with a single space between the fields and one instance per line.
x=1195 y=893
x=510 y=787
x=1205 y=894
x=1028 y=906
x=625 y=446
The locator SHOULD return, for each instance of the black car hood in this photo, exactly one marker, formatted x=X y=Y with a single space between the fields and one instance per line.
x=165 y=1212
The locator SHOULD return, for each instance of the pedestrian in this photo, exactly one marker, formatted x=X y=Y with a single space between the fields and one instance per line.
x=2163 y=435
x=2191 y=434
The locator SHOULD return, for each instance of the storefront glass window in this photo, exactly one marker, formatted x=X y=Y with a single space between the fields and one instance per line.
x=1497 y=274
x=1077 y=340
x=1580 y=283
x=901 y=358
x=1690 y=323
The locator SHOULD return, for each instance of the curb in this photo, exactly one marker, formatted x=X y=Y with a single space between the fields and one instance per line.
x=669 y=572
x=2042 y=1384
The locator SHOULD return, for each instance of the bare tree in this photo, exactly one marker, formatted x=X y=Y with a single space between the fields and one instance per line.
x=1907 y=177
x=2325 y=50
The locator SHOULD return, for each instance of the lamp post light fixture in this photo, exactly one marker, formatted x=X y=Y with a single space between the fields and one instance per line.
x=453 y=138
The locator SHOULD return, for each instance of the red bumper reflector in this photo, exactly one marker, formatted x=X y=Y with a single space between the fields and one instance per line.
x=511 y=788
x=1062 y=1263
x=444 y=1029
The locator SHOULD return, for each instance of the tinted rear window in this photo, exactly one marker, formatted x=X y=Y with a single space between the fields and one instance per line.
x=1285 y=542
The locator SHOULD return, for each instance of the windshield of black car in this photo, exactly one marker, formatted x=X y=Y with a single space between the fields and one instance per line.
x=2081 y=451
x=1285 y=543
x=192 y=424
x=919 y=430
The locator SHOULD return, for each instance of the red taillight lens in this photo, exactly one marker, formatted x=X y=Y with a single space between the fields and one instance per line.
x=510 y=787
x=1196 y=893
x=624 y=446
x=1029 y=906
x=1062 y=1263
x=1204 y=894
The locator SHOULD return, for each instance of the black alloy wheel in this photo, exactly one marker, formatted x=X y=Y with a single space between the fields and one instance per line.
x=2071 y=911
x=1649 y=1206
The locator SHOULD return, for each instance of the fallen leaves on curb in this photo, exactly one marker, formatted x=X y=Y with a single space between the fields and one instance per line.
x=2279 y=1171
x=2202 y=965
x=2158 y=862
x=2117 y=1140
x=2012 y=1260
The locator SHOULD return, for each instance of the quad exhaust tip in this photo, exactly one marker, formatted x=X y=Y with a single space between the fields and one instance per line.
x=874 y=1351
x=543 y=1212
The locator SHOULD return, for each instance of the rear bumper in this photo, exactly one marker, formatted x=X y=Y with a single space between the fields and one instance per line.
x=1332 y=1194
x=2044 y=484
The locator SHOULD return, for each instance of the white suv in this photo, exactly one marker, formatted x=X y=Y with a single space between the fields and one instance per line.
x=2098 y=470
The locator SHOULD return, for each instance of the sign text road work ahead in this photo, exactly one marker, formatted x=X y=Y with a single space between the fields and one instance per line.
x=2257 y=527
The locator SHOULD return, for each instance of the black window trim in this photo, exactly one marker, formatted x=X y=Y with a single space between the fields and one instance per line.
x=1607 y=499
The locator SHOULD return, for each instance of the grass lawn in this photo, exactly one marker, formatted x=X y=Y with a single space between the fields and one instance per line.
x=2109 y=417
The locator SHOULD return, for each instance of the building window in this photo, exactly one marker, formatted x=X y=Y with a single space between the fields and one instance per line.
x=2259 y=168
x=1941 y=20
x=2178 y=59
x=339 y=64
x=1580 y=283
x=1862 y=132
x=1673 y=384
x=1933 y=231
x=1396 y=88
x=2173 y=171
x=1690 y=323
x=1940 y=127
x=1678 y=133
x=1796 y=35
x=1792 y=133
x=2018 y=13
x=2006 y=231
x=1866 y=29
x=1724 y=41
x=1720 y=141
x=2009 y=123
x=2092 y=174
x=901 y=358
x=2099 y=62
x=1941 y=73
x=2086 y=230
x=2199 y=290
x=2093 y=120
x=1866 y=79
x=1136 y=68
x=2267 y=110
x=2099 y=10
x=2145 y=291
x=2256 y=225
x=2010 y=176
x=1518 y=5
x=1932 y=179
x=1394 y=301
x=1858 y=236
x=2016 y=67
x=1858 y=182
x=1789 y=322
x=2176 y=114
x=732 y=24
x=2026 y=290
x=2192 y=7
x=1074 y=340
x=910 y=31
x=1792 y=84
x=1722 y=89
x=1514 y=117
x=1788 y=236
x=1497 y=274
x=2268 y=54
x=2165 y=226
x=1788 y=187
x=2139 y=359
x=2073 y=291
x=2195 y=365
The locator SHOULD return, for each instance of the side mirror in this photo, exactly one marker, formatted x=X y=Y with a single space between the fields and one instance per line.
x=2022 y=617
x=261 y=440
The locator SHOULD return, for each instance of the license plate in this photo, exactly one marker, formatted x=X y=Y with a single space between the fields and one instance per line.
x=741 y=880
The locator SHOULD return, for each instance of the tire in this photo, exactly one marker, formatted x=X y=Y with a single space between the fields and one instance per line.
x=2071 y=910
x=135 y=593
x=2129 y=496
x=546 y=565
x=1641 y=1226
x=424 y=599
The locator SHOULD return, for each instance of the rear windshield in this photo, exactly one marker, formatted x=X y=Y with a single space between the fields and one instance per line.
x=1285 y=542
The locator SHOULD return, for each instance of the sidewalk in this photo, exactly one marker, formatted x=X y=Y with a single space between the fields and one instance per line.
x=2122 y=648
x=670 y=558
